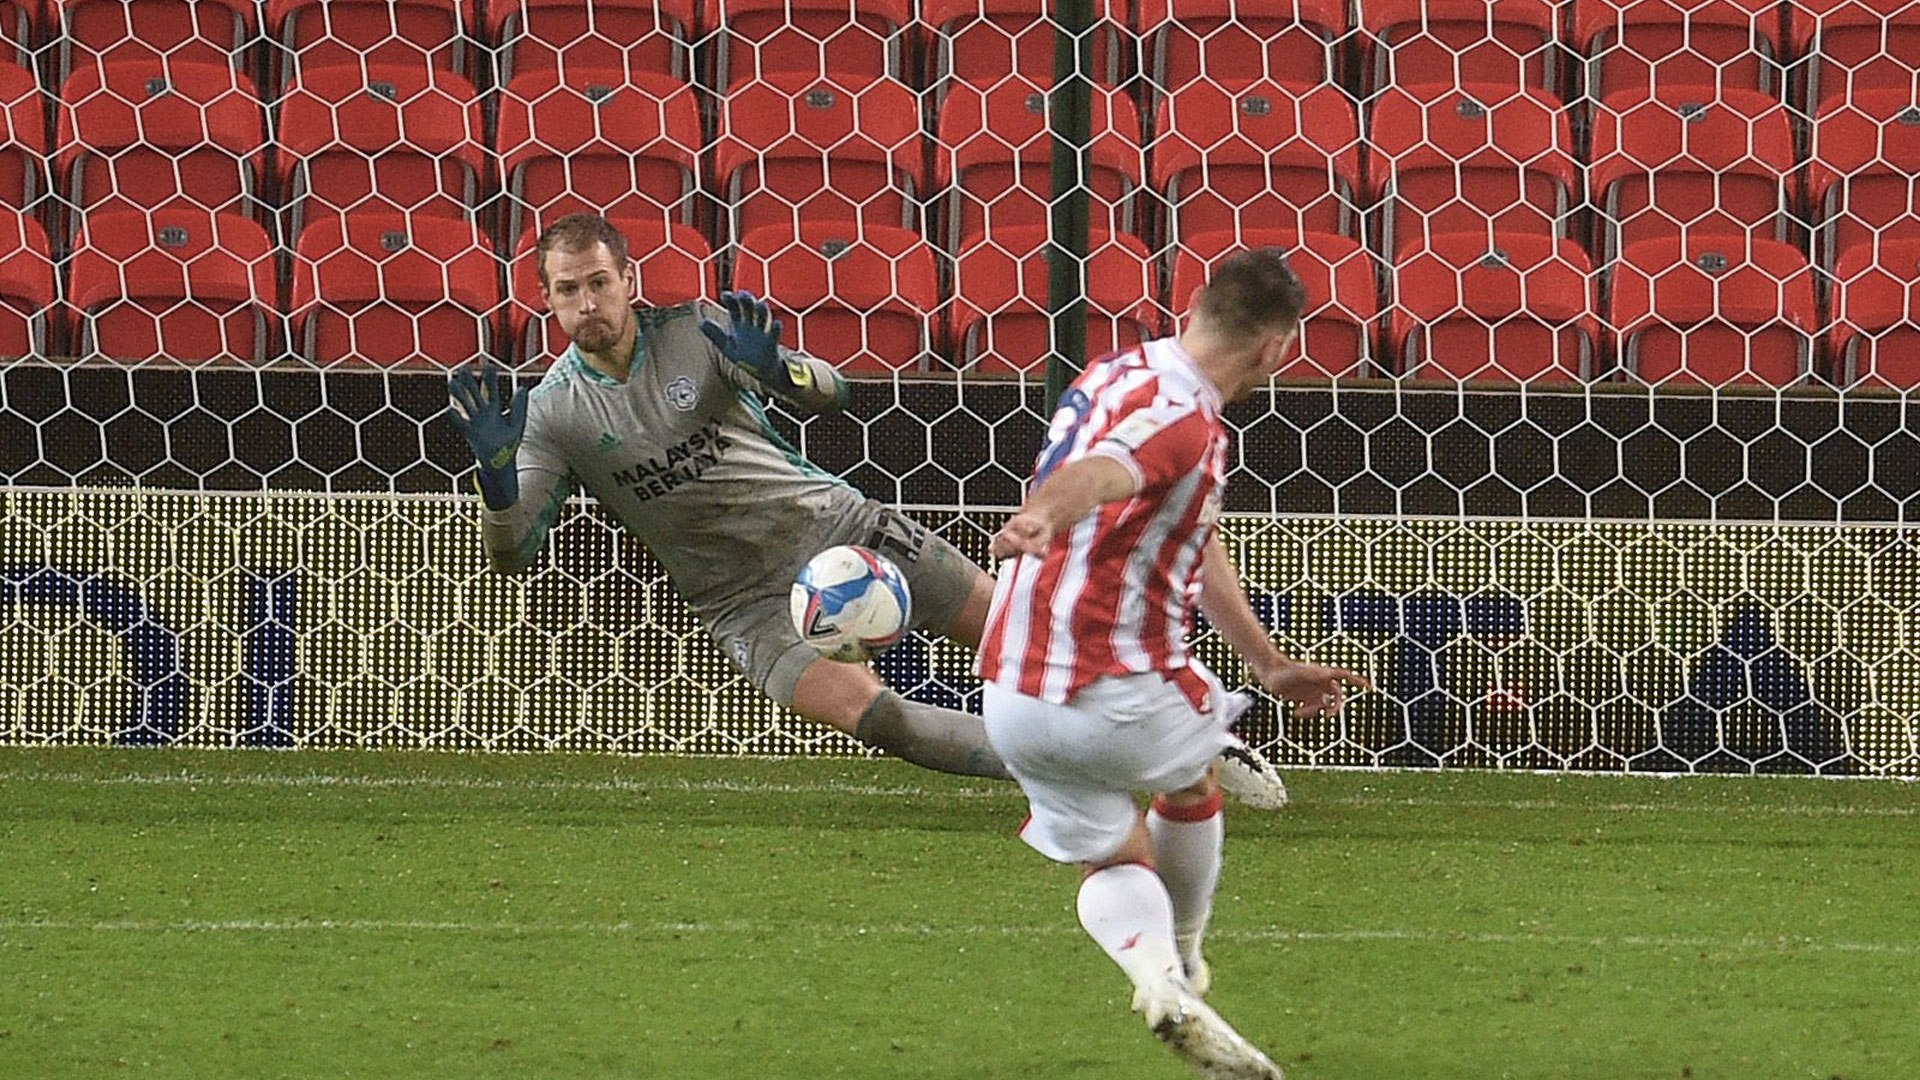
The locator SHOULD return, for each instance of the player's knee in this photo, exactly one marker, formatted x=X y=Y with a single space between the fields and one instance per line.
x=838 y=695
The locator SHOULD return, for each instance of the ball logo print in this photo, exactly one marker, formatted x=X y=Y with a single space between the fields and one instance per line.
x=851 y=604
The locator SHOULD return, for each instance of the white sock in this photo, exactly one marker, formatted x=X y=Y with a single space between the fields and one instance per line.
x=1186 y=846
x=1126 y=909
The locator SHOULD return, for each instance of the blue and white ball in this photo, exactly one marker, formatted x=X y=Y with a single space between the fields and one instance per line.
x=850 y=604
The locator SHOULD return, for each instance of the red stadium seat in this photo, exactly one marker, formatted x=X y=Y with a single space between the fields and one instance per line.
x=383 y=289
x=398 y=138
x=92 y=32
x=672 y=264
x=1487 y=160
x=796 y=149
x=27 y=289
x=838 y=40
x=576 y=40
x=1852 y=47
x=136 y=136
x=357 y=34
x=1693 y=167
x=1661 y=46
x=626 y=149
x=998 y=324
x=19 y=28
x=23 y=138
x=177 y=284
x=860 y=301
x=1259 y=152
x=994 y=158
x=1520 y=309
x=984 y=41
x=1863 y=182
x=1875 y=336
x=1713 y=312
x=1290 y=41
x=1448 y=44
x=1342 y=298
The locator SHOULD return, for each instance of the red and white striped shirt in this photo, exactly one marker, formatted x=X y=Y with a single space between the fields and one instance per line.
x=1116 y=591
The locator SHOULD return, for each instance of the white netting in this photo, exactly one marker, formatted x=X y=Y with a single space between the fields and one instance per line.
x=1599 y=418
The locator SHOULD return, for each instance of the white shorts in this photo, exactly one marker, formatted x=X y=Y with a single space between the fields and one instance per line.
x=1082 y=763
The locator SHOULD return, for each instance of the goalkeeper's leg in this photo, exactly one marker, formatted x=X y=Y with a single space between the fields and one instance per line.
x=851 y=697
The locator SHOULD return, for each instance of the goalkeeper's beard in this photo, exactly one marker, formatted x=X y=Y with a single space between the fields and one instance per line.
x=595 y=334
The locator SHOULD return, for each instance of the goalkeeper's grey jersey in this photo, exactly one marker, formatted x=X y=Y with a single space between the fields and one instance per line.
x=682 y=455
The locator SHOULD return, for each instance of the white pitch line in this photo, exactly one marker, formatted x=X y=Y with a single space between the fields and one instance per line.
x=924 y=930
x=831 y=787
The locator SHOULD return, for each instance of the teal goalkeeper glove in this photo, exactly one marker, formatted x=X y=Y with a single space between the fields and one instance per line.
x=474 y=406
x=753 y=342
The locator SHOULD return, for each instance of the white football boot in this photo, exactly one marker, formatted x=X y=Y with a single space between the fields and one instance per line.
x=1191 y=1029
x=1244 y=774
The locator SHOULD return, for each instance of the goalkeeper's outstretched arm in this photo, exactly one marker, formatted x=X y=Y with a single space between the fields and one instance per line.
x=522 y=502
x=750 y=342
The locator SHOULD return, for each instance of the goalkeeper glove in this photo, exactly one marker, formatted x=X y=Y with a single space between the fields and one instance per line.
x=474 y=406
x=753 y=342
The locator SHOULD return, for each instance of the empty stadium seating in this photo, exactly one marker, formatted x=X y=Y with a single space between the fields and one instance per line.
x=1292 y=41
x=993 y=160
x=314 y=34
x=862 y=301
x=984 y=41
x=1847 y=47
x=1692 y=166
x=795 y=150
x=27 y=287
x=18 y=29
x=1666 y=46
x=998 y=322
x=23 y=138
x=1518 y=309
x=176 y=283
x=389 y=138
x=1421 y=47
x=1875 y=336
x=134 y=134
x=1258 y=151
x=92 y=32
x=627 y=149
x=1713 y=312
x=383 y=288
x=1338 y=277
x=1863 y=181
x=909 y=140
x=1482 y=159
x=812 y=40
x=601 y=41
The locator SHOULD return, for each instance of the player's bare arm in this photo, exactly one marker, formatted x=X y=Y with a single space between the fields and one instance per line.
x=1314 y=689
x=1061 y=499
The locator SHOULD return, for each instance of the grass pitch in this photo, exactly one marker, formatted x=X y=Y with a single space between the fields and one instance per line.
x=250 y=914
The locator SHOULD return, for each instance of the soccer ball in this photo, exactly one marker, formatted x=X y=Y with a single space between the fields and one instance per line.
x=850 y=603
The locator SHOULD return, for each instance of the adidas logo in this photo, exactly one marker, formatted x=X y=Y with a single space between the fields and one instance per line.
x=608 y=441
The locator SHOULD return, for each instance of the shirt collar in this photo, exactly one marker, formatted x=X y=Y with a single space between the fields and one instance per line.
x=1185 y=359
x=579 y=362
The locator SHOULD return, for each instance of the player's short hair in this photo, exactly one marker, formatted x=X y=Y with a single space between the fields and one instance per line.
x=578 y=233
x=1251 y=293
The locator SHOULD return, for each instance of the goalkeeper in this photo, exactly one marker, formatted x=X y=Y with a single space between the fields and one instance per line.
x=657 y=413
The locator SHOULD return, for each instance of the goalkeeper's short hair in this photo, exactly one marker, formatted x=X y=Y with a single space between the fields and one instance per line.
x=576 y=233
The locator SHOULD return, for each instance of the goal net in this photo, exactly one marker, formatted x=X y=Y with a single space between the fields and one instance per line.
x=1595 y=453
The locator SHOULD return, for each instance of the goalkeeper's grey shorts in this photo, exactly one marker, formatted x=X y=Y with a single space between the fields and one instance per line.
x=756 y=629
